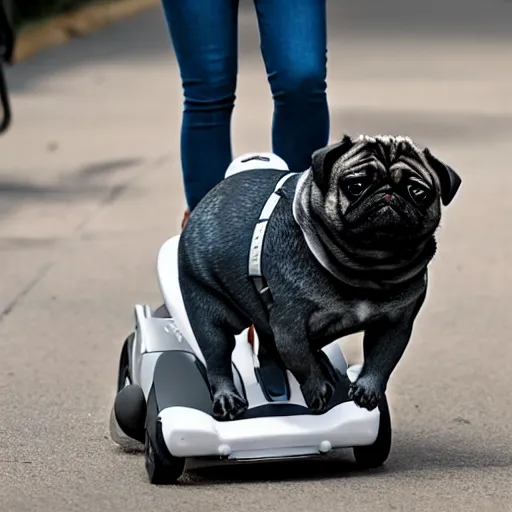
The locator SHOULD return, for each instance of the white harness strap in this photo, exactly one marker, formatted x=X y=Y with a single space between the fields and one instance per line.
x=258 y=236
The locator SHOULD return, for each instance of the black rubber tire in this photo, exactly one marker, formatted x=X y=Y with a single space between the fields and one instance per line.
x=130 y=411
x=374 y=455
x=160 y=470
x=123 y=373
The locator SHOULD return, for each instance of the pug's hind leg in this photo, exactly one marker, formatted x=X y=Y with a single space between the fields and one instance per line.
x=292 y=343
x=217 y=346
x=213 y=324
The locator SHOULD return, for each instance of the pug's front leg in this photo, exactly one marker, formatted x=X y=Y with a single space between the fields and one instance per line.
x=291 y=339
x=384 y=344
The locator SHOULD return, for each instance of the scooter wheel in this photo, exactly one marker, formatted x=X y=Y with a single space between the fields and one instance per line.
x=374 y=455
x=123 y=375
x=130 y=411
x=160 y=470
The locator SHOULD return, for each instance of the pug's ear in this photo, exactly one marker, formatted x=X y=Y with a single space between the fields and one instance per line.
x=323 y=160
x=450 y=181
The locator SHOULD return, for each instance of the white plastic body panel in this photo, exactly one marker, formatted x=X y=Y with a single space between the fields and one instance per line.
x=191 y=433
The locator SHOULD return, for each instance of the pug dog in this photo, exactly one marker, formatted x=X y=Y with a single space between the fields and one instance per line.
x=346 y=250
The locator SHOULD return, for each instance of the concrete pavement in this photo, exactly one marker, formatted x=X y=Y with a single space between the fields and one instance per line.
x=90 y=188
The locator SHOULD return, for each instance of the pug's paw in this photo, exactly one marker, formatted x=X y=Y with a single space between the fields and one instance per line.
x=317 y=392
x=228 y=405
x=365 y=393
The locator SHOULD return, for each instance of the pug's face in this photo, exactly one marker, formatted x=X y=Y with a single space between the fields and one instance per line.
x=382 y=192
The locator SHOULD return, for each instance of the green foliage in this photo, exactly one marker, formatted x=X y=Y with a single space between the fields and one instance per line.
x=31 y=10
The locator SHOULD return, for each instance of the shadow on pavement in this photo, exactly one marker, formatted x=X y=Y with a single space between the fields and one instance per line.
x=427 y=127
x=408 y=455
x=83 y=184
x=447 y=19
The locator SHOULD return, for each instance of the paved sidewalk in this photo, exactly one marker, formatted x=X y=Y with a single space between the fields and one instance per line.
x=90 y=187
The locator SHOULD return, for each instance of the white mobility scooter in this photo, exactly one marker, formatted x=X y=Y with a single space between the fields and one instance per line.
x=164 y=404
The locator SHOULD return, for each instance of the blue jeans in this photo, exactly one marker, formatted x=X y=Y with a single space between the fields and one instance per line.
x=293 y=36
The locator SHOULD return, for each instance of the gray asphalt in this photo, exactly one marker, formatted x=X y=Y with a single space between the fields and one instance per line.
x=90 y=187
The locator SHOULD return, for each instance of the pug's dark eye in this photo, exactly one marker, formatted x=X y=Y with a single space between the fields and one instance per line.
x=418 y=194
x=356 y=188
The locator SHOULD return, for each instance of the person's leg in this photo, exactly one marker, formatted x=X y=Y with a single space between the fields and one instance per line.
x=294 y=48
x=204 y=36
